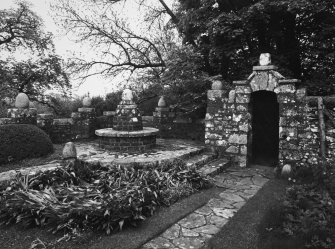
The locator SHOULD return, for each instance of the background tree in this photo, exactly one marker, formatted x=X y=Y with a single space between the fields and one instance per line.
x=38 y=68
x=231 y=34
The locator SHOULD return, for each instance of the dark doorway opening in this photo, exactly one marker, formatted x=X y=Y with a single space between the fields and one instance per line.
x=265 y=128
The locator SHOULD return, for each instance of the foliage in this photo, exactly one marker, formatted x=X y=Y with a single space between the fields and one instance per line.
x=231 y=34
x=64 y=106
x=23 y=141
x=22 y=36
x=82 y=196
x=310 y=212
x=118 y=47
x=21 y=27
x=108 y=104
x=33 y=77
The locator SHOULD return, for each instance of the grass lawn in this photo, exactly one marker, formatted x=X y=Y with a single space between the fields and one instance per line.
x=30 y=162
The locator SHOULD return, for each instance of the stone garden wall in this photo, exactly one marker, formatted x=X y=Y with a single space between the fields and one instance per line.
x=229 y=119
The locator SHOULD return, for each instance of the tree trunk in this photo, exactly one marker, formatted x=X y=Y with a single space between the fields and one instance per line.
x=322 y=127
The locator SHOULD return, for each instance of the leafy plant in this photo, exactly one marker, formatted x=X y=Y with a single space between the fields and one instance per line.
x=310 y=212
x=81 y=196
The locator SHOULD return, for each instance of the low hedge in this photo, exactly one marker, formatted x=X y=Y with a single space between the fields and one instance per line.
x=19 y=141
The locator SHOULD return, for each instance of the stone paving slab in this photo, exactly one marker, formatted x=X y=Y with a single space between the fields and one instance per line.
x=192 y=232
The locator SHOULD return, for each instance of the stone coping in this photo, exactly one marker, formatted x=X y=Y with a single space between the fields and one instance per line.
x=264 y=68
x=165 y=150
x=110 y=132
x=288 y=81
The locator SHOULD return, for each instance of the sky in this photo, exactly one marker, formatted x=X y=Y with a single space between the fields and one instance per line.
x=94 y=85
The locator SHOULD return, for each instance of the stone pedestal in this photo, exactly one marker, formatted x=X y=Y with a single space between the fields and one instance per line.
x=84 y=122
x=22 y=115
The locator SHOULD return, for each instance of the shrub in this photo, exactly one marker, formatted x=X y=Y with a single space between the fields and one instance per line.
x=22 y=141
x=309 y=212
x=96 y=197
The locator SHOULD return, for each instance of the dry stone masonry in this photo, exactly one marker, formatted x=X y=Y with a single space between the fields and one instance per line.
x=230 y=118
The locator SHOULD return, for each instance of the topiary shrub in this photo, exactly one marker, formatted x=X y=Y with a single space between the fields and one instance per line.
x=19 y=141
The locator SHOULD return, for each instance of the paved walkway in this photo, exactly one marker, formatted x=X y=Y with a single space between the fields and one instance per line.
x=192 y=232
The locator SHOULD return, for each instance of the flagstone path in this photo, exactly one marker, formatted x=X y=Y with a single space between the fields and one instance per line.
x=238 y=185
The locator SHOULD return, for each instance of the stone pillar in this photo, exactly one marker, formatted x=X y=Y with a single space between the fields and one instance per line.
x=84 y=121
x=161 y=115
x=216 y=120
x=21 y=114
x=62 y=130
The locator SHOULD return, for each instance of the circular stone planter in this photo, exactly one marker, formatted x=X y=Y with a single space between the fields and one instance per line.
x=127 y=141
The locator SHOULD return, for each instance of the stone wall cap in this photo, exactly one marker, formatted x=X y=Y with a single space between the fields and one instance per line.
x=110 y=132
x=109 y=113
x=63 y=121
x=239 y=82
x=288 y=81
x=86 y=109
x=45 y=115
x=264 y=68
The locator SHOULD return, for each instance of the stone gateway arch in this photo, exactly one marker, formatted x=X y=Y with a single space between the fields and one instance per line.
x=262 y=120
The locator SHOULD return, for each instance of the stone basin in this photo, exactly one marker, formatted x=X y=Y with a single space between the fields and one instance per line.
x=127 y=141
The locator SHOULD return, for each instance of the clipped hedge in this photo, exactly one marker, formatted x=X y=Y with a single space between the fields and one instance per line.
x=19 y=141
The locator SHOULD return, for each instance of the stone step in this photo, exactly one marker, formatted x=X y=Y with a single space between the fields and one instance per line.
x=214 y=167
x=200 y=159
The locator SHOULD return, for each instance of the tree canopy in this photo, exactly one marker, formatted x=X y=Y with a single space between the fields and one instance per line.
x=37 y=68
x=300 y=35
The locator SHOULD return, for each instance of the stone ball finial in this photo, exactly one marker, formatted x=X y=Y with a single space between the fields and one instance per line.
x=69 y=151
x=265 y=59
x=87 y=101
x=217 y=85
x=161 y=102
x=127 y=95
x=22 y=101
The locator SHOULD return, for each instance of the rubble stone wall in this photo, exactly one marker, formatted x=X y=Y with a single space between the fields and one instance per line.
x=228 y=123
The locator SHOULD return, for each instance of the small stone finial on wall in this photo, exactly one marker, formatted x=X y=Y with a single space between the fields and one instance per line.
x=161 y=102
x=22 y=101
x=87 y=101
x=127 y=95
x=265 y=59
x=217 y=85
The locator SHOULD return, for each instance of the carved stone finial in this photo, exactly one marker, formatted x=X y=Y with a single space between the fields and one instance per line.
x=161 y=102
x=87 y=101
x=127 y=95
x=22 y=101
x=217 y=85
x=265 y=59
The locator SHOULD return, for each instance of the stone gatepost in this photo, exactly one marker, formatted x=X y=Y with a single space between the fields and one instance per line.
x=84 y=121
x=229 y=117
x=21 y=114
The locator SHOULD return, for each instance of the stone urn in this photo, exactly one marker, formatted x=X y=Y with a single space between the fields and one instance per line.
x=22 y=101
x=87 y=101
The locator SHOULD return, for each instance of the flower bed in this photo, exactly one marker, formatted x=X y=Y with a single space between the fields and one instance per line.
x=82 y=196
